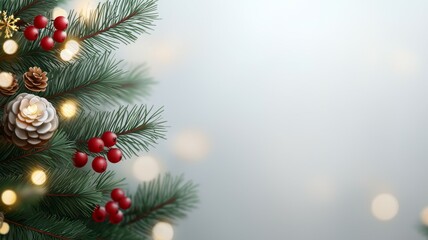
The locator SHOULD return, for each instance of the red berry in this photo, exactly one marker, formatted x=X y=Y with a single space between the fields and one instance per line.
x=112 y=207
x=47 y=43
x=114 y=155
x=80 y=159
x=59 y=36
x=99 y=164
x=117 y=194
x=40 y=21
x=116 y=218
x=95 y=145
x=125 y=203
x=99 y=214
x=109 y=139
x=31 y=33
x=61 y=23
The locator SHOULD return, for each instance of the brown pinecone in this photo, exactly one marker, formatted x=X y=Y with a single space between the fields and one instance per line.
x=8 y=84
x=36 y=80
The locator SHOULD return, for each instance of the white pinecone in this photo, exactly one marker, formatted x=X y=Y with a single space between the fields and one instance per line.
x=29 y=121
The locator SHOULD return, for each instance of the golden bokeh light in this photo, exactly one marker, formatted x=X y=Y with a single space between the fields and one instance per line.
x=424 y=216
x=57 y=12
x=66 y=55
x=6 y=79
x=10 y=47
x=385 y=207
x=163 y=231
x=192 y=145
x=38 y=177
x=146 y=168
x=73 y=46
x=4 y=228
x=8 y=197
x=68 y=109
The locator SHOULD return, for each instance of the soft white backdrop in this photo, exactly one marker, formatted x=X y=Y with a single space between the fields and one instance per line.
x=311 y=109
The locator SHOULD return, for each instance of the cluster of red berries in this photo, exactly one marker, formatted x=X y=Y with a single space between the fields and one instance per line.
x=96 y=145
x=111 y=209
x=31 y=32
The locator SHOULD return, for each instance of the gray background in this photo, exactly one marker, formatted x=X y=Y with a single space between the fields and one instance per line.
x=312 y=108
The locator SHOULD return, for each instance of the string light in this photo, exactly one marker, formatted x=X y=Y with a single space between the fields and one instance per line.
x=385 y=207
x=10 y=47
x=73 y=46
x=38 y=177
x=68 y=109
x=66 y=55
x=4 y=228
x=163 y=231
x=8 y=197
x=6 y=79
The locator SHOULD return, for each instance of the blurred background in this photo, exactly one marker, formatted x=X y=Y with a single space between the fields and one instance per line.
x=299 y=119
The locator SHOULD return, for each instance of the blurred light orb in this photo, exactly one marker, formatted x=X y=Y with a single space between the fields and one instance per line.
x=6 y=79
x=191 y=145
x=8 y=197
x=68 y=109
x=385 y=207
x=73 y=46
x=4 y=228
x=38 y=177
x=57 y=12
x=424 y=216
x=146 y=168
x=66 y=55
x=163 y=231
x=10 y=47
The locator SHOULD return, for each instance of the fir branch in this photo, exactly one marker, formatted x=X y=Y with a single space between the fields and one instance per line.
x=138 y=128
x=28 y=8
x=167 y=198
x=113 y=22
x=40 y=227
x=91 y=84
x=74 y=193
x=56 y=153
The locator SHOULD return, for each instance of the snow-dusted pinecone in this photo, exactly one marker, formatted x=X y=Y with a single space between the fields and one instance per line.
x=29 y=121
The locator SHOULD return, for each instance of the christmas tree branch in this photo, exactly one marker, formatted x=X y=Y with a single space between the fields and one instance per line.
x=57 y=153
x=170 y=198
x=137 y=128
x=113 y=22
x=28 y=8
x=35 y=230
x=91 y=84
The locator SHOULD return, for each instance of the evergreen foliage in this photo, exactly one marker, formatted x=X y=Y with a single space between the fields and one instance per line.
x=95 y=80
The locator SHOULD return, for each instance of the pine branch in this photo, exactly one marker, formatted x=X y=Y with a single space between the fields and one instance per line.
x=113 y=22
x=165 y=199
x=41 y=227
x=28 y=8
x=74 y=193
x=138 y=128
x=58 y=152
x=92 y=84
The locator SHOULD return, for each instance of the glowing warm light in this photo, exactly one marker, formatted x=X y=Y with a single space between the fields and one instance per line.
x=192 y=145
x=8 y=197
x=6 y=79
x=424 y=216
x=73 y=46
x=68 y=109
x=385 y=207
x=4 y=228
x=66 y=55
x=38 y=177
x=30 y=110
x=10 y=47
x=146 y=168
x=59 y=12
x=163 y=231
